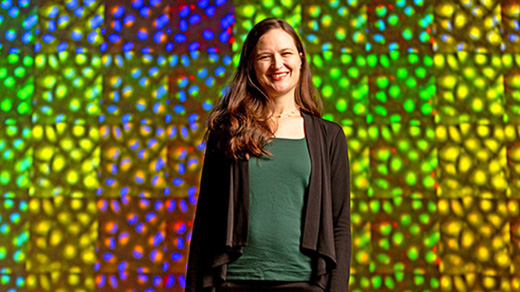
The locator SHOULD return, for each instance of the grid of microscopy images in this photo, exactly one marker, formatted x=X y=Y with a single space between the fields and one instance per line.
x=103 y=106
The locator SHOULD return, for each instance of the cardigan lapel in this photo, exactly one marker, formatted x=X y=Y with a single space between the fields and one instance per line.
x=318 y=232
x=311 y=217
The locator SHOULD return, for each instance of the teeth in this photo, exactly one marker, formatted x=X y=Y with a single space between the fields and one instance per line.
x=278 y=75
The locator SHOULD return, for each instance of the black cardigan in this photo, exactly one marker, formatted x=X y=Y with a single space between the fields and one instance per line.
x=221 y=222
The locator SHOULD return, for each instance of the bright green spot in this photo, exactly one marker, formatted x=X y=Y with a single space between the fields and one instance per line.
x=372 y=60
x=23 y=108
x=382 y=81
x=389 y=282
x=316 y=80
x=418 y=280
x=335 y=73
x=394 y=55
x=413 y=254
x=344 y=82
x=393 y=19
x=411 y=178
x=13 y=58
x=411 y=82
x=395 y=118
x=328 y=55
x=328 y=117
x=376 y=282
x=384 y=258
x=413 y=155
x=327 y=91
x=412 y=58
x=380 y=110
x=402 y=73
x=19 y=72
x=409 y=105
x=359 y=108
x=426 y=109
x=394 y=91
x=9 y=82
x=398 y=238
x=346 y=59
x=248 y=11
x=353 y=72
x=396 y=164
x=381 y=10
x=406 y=219
x=75 y=105
x=61 y=91
x=341 y=105
x=316 y=60
x=375 y=206
x=5 y=177
x=28 y=61
x=382 y=183
x=384 y=61
x=81 y=59
x=382 y=169
x=386 y=229
x=384 y=154
x=381 y=96
x=407 y=34
x=414 y=131
x=415 y=229
x=6 y=105
x=340 y=35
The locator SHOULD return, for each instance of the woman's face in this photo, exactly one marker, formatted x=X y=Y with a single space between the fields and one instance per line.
x=277 y=64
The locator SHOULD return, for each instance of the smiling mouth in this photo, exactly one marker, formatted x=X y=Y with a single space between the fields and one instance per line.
x=279 y=75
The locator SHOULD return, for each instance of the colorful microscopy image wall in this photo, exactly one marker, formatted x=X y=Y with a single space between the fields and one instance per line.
x=103 y=107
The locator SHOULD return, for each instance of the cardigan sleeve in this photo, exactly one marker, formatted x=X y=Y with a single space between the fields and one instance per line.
x=340 y=187
x=203 y=224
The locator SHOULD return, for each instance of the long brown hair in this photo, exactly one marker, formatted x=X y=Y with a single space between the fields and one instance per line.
x=241 y=120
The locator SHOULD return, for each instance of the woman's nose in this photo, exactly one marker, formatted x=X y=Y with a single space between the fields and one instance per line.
x=277 y=62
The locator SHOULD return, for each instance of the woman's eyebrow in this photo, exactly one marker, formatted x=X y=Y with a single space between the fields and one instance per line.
x=267 y=51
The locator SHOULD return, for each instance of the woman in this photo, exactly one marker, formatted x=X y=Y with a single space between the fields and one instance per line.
x=274 y=202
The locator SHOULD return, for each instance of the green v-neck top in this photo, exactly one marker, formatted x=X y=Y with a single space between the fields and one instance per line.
x=277 y=189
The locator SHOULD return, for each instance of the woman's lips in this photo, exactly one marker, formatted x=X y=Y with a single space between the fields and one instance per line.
x=278 y=76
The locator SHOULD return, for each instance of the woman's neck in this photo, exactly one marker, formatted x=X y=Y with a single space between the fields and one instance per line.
x=284 y=105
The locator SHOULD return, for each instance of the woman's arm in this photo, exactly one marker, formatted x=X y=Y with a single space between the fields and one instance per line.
x=340 y=187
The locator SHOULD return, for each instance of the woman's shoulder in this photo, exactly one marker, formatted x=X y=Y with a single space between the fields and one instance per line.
x=329 y=127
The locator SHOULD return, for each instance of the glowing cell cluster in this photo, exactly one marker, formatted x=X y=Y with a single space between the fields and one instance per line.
x=138 y=26
x=66 y=160
x=67 y=225
x=339 y=26
x=17 y=81
x=68 y=88
x=470 y=87
x=400 y=25
x=70 y=25
x=342 y=80
x=403 y=161
x=16 y=161
x=472 y=161
x=18 y=22
x=468 y=26
x=402 y=88
x=251 y=12
x=135 y=88
x=475 y=236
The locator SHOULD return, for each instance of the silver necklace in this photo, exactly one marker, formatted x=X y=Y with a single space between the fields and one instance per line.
x=289 y=114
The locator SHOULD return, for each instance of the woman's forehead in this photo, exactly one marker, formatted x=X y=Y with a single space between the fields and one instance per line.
x=275 y=39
